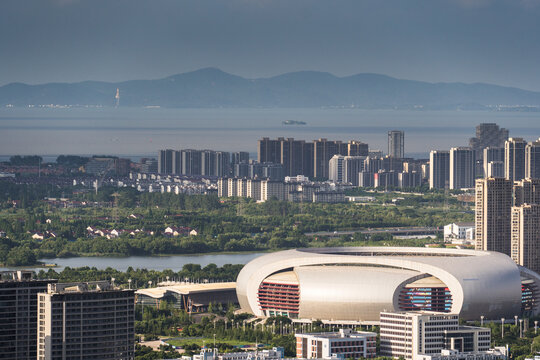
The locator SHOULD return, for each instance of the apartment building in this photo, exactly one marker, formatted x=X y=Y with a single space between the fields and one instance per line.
x=91 y=320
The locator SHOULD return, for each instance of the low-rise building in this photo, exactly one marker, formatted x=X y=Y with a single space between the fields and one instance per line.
x=330 y=345
x=432 y=335
x=459 y=231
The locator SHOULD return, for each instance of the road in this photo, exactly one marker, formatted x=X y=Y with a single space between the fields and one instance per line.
x=392 y=230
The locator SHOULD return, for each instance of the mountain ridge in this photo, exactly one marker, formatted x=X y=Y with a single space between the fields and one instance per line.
x=212 y=87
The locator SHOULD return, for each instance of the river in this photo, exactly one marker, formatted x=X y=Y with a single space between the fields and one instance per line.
x=175 y=262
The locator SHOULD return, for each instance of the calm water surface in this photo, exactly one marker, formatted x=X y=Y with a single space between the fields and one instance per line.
x=130 y=131
x=174 y=263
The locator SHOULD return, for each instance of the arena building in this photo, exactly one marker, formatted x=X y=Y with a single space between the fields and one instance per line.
x=356 y=284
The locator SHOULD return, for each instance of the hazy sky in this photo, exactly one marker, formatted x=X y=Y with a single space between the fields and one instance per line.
x=494 y=41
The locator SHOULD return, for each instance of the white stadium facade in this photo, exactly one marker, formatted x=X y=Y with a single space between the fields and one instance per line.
x=355 y=284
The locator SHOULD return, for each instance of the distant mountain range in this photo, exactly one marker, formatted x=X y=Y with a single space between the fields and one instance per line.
x=213 y=88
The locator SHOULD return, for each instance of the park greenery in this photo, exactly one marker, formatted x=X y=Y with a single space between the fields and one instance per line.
x=222 y=225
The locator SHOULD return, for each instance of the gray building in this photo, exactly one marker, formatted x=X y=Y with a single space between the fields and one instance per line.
x=396 y=143
x=514 y=159
x=462 y=168
x=439 y=169
x=487 y=135
x=165 y=161
x=492 y=154
x=90 y=320
x=18 y=314
x=532 y=160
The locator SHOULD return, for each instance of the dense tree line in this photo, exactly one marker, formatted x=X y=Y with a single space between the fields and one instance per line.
x=227 y=224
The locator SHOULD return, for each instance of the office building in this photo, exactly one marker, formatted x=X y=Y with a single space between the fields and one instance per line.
x=345 y=344
x=424 y=335
x=354 y=284
x=149 y=166
x=90 y=320
x=493 y=205
x=323 y=150
x=492 y=154
x=18 y=314
x=396 y=144
x=532 y=160
x=514 y=159
x=495 y=169
x=439 y=169
x=462 y=168
x=386 y=179
x=526 y=236
x=357 y=148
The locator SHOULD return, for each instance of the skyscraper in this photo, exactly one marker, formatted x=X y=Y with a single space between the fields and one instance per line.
x=357 y=148
x=462 y=168
x=269 y=151
x=527 y=191
x=335 y=172
x=19 y=314
x=86 y=320
x=352 y=166
x=526 y=235
x=323 y=150
x=532 y=160
x=439 y=169
x=396 y=143
x=165 y=161
x=487 y=135
x=492 y=154
x=493 y=206
x=514 y=159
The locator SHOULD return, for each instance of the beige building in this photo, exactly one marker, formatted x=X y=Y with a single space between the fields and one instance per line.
x=423 y=335
x=526 y=235
x=527 y=191
x=532 y=160
x=90 y=320
x=493 y=214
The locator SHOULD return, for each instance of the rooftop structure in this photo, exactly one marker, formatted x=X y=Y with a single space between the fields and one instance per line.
x=191 y=297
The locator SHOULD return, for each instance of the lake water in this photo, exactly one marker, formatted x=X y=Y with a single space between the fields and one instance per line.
x=136 y=132
x=174 y=263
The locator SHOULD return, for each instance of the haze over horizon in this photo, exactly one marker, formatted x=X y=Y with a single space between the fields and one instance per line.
x=489 y=41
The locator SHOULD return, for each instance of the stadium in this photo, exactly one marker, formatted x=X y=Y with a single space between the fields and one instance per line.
x=354 y=284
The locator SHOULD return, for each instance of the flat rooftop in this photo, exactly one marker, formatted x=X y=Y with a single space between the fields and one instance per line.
x=186 y=289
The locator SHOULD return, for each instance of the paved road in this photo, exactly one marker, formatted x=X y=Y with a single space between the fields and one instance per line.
x=393 y=231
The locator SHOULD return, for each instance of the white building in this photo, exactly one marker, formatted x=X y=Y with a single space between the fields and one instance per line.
x=431 y=335
x=459 y=231
x=343 y=344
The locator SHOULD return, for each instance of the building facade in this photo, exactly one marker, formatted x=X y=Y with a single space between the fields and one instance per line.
x=396 y=144
x=18 y=314
x=514 y=159
x=493 y=206
x=462 y=168
x=415 y=335
x=526 y=236
x=344 y=344
x=532 y=160
x=86 y=321
x=439 y=169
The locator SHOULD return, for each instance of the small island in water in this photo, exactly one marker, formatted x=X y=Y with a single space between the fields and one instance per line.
x=293 y=122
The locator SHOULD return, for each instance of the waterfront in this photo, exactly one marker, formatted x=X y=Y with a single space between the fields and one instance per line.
x=174 y=262
x=138 y=131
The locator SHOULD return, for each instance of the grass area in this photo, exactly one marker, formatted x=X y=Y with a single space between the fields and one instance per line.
x=207 y=341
